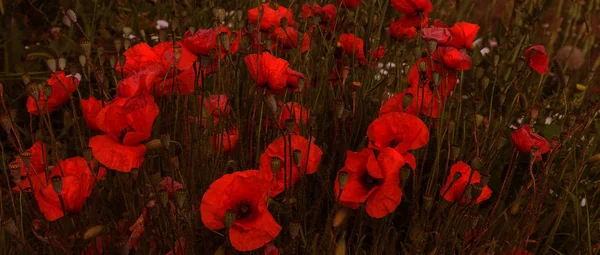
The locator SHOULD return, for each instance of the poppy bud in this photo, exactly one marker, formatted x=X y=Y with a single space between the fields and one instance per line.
x=476 y=190
x=496 y=59
x=51 y=63
x=57 y=184
x=294 y=229
x=275 y=165
x=566 y=79
x=417 y=52
x=229 y=218
x=163 y=197
x=26 y=157
x=71 y=15
x=6 y=123
x=297 y=157
x=485 y=81
x=118 y=44
x=86 y=47
x=340 y=216
x=165 y=140
x=431 y=46
x=454 y=152
x=423 y=66
x=435 y=76
x=479 y=72
x=180 y=197
x=25 y=78
x=290 y=124
x=47 y=91
x=339 y=108
x=82 y=60
x=10 y=226
x=342 y=179
x=93 y=232
x=300 y=84
x=224 y=39
x=126 y=43
x=271 y=103
x=219 y=13
x=33 y=89
x=520 y=64
x=232 y=166
x=62 y=63
x=155 y=178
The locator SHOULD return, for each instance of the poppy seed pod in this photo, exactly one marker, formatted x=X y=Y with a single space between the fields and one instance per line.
x=423 y=66
x=10 y=226
x=163 y=197
x=271 y=103
x=220 y=14
x=297 y=154
x=180 y=197
x=57 y=184
x=478 y=163
x=62 y=63
x=431 y=46
x=51 y=63
x=71 y=15
x=155 y=178
x=118 y=44
x=112 y=60
x=229 y=218
x=476 y=190
x=454 y=152
x=294 y=229
x=290 y=124
x=47 y=91
x=224 y=40
x=485 y=81
x=165 y=140
x=339 y=108
x=417 y=52
x=86 y=47
x=26 y=157
x=15 y=171
x=126 y=43
x=33 y=89
x=342 y=179
x=435 y=76
x=275 y=165
x=82 y=60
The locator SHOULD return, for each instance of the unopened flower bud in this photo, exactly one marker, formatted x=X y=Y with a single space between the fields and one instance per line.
x=127 y=32
x=163 y=197
x=580 y=87
x=342 y=179
x=180 y=197
x=301 y=84
x=290 y=124
x=57 y=184
x=294 y=229
x=275 y=165
x=496 y=59
x=224 y=39
x=71 y=15
x=297 y=154
x=435 y=76
x=479 y=72
x=51 y=63
x=127 y=43
x=62 y=63
x=155 y=178
x=520 y=64
x=229 y=218
x=112 y=60
x=82 y=60
x=417 y=52
x=118 y=44
x=485 y=81
x=86 y=47
x=423 y=66
x=431 y=46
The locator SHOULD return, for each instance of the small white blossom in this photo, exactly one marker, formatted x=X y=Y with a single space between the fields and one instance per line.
x=583 y=202
x=160 y=24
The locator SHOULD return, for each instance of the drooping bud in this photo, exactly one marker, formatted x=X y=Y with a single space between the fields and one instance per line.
x=275 y=165
x=180 y=197
x=71 y=15
x=229 y=218
x=271 y=103
x=294 y=229
x=520 y=64
x=51 y=63
x=57 y=184
x=155 y=178
x=6 y=122
x=342 y=179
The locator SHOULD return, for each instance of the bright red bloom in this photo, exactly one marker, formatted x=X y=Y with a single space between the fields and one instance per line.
x=327 y=12
x=137 y=58
x=77 y=184
x=401 y=131
x=225 y=141
x=524 y=140
x=243 y=195
x=140 y=82
x=353 y=46
x=419 y=100
x=447 y=77
x=127 y=122
x=62 y=88
x=288 y=39
x=201 y=42
x=90 y=108
x=453 y=58
x=457 y=183
x=463 y=34
x=398 y=29
x=37 y=161
x=271 y=72
x=310 y=158
x=537 y=58
x=270 y=17
x=349 y=3
x=440 y=34
x=141 y=55
x=372 y=178
x=412 y=7
x=166 y=53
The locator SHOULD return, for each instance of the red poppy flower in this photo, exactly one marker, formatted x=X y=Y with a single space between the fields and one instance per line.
x=453 y=58
x=463 y=34
x=288 y=39
x=270 y=72
x=77 y=184
x=349 y=3
x=140 y=82
x=37 y=161
x=295 y=111
x=421 y=101
x=398 y=130
x=412 y=7
x=327 y=12
x=184 y=82
x=440 y=34
x=310 y=158
x=35 y=182
x=166 y=53
x=243 y=195
x=62 y=88
x=524 y=140
x=447 y=77
x=126 y=122
x=201 y=42
x=353 y=46
x=235 y=37
x=270 y=17
x=537 y=58
x=137 y=58
x=371 y=178
x=457 y=183
x=225 y=141
x=90 y=108
x=398 y=29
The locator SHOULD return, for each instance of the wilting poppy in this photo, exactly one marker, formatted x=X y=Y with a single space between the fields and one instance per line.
x=225 y=141
x=126 y=122
x=537 y=58
x=271 y=72
x=413 y=100
x=62 y=87
x=201 y=42
x=349 y=3
x=412 y=7
x=461 y=175
x=371 y=178
x=240 y=199
x=288 y=39
x=353 y=46
x=401 y=131
x=453 y=58
x=270 y=17
x=463 y=34
x=440 y=34
x=398 y=29
x=90 y=108
x=76 y=186
x=296 y=159
x=524 y=140
x=418 y=78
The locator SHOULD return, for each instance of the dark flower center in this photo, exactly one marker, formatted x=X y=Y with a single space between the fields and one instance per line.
x=124 y=132
x=395 y=142
x=369 y=182
x=243 y=210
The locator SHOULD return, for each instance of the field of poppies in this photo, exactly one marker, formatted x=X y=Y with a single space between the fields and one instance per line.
x=300 y=127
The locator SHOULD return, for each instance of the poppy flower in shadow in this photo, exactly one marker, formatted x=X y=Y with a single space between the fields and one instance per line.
x=414 y=101
x=225 y=141
x=353 y=46
x=401 y=131
x=288 y=38
x=525 y=140
x=239 y=201
x=461 y=176
x=463 y=34
x=90 y=108
x=59 y=87
x=537 y=58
